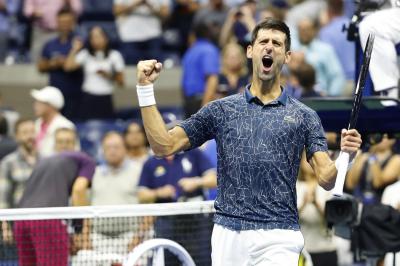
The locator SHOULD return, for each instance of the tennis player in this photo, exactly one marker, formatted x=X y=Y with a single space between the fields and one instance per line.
x=260 y=136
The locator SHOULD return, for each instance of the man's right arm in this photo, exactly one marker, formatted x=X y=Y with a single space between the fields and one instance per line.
x=162 y=142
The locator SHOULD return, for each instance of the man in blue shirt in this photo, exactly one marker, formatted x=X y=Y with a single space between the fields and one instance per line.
x=260 y=136
x=333 y=34
x=201 y=65
x=321 y=56
x=180 y=177
x=52 y=61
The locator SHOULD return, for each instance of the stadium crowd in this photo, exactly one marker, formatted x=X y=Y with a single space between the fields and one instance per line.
x=84 y=46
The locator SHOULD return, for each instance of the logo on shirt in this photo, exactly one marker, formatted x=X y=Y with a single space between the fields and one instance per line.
x=186 y=165
x=160 y=171
x=289 y=119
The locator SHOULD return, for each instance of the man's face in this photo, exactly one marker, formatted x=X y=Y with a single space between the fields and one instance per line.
x=268 y=54
x=41 y=108
x=114 y=150
x=25 y=135
x=65 y=23
x=307 y=31
x=65 y=141
x=135 y=138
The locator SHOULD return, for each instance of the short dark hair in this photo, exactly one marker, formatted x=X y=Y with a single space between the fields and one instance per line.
x=66 y=129
x=306 y=76
x=66 y=10
x=273 y=24
x=112 y=133
x=20 y=122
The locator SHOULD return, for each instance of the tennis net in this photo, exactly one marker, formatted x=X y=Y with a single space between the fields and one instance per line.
x=107 y=235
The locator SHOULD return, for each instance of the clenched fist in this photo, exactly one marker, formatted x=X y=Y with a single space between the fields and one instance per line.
x=148 y=72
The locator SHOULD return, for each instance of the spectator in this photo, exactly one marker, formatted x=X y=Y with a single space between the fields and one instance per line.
x=16 y=167
x=7 y=144
x=8 y=9
x=53 y=181
x=214 y=15
x=311 y=200
x=179 y=177
x=66 y=139
x=305 y=9
x=374 y=170
x=15 y=170
x=322 y=57
x=238 y=24
x=234 y=74
x=102 y=67
x=333 y=34
x=181 y=19
x=391 y=197
x=304 y=80
x=384 y=68
x=43 y=14
x=52 y=61
x=139 y=25
x=48 y=102
x=115 y=183
x=201 y=65
x=136 y=143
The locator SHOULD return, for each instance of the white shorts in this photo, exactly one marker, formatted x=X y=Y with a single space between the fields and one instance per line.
x=255 y=247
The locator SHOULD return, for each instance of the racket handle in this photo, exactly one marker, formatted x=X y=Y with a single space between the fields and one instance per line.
x=342 y=164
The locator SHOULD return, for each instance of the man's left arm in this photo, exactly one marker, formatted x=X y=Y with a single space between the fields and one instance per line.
x=324 y=168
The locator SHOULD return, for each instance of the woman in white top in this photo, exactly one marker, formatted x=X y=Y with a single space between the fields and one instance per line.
x=102 y=67
x=311 y=200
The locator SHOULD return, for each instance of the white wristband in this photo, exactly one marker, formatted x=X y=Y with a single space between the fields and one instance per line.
x=339 y=158
x=145 y=95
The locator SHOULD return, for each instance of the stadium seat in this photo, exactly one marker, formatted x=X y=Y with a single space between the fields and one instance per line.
x=92 y=132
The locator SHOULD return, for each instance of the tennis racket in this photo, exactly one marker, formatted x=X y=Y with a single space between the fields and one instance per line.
x=344 y=157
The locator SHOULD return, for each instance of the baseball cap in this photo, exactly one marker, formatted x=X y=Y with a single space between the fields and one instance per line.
x=50 y=95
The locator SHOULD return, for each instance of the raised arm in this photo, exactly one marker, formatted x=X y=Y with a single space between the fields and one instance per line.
x=324 y=168
x=70 y=63
x=162 y=142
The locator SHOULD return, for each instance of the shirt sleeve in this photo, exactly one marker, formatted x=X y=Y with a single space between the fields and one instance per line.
x=315 y=135
x=46 y=54
x=118 y=62
x=335 y=74
x=145 y=176
x=81 y=57
x=202 y=126
x=211 y=63
x=86 y=165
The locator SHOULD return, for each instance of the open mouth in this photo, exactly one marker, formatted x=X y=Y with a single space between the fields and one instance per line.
x=267 y=61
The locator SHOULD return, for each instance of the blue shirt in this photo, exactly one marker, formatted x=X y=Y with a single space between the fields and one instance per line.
x=329 y=72
x=259 y=150
x=69 y=83
x=200 y=61
x=157 y=172
x=344 y=49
